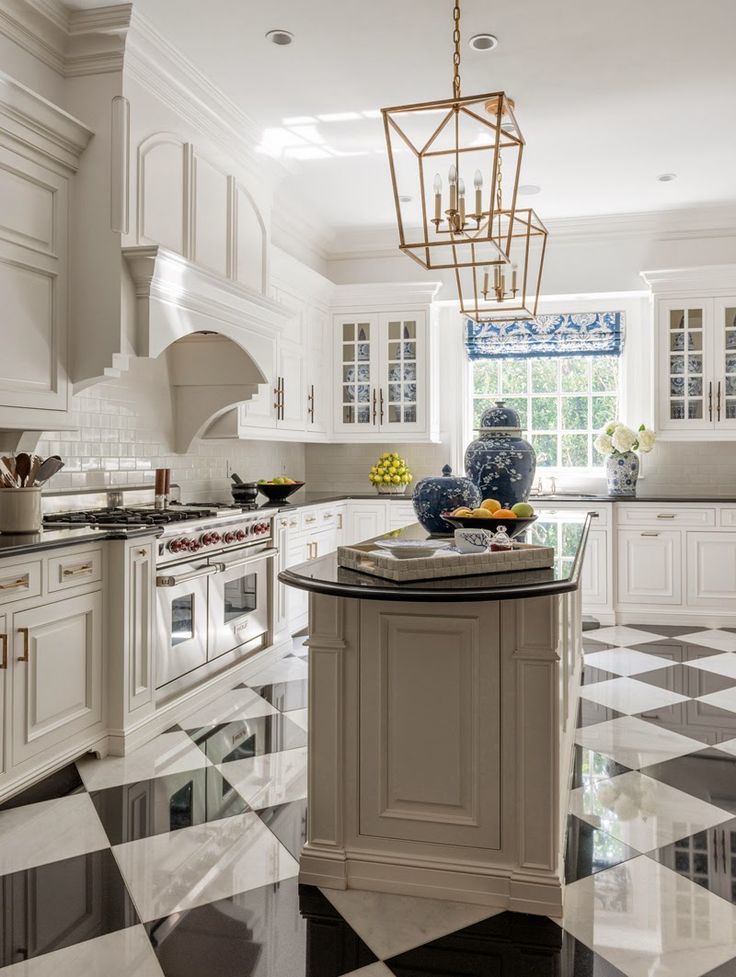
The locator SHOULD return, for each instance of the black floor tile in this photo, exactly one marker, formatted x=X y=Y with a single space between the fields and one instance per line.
x=589 y=850
x=284 y=695
x=589 y=766
x=708 y=774
x=590 y=644
x=60 y=784
x=60 y=904
x=727 y=969
x=165 y=804
x=289 y=823
x=698 y=720
x=507 y=945
x=333 y=946
x=686 y=680
x=707 y=858
x=668 y=630
x=245 y=738
x=590 y=713
x=254 y=934
x=676 y=650
x=592 y=675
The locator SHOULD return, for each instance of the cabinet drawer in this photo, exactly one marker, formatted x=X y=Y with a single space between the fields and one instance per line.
x=309 y=519
x=19 y=582
x=665 y=516
x=601 y=513
x=74 y=570
x=728 y=517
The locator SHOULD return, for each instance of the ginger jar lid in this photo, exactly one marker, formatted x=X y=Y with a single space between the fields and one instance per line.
x=500 y=419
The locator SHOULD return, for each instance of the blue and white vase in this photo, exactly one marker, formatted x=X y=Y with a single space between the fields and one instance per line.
x=443 y=493
x=622 y=471
x=501 y=463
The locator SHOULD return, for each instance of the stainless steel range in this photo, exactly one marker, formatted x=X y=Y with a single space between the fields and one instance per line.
x=215 y=578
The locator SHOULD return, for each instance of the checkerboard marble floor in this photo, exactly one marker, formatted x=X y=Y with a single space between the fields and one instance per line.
x=181 y=859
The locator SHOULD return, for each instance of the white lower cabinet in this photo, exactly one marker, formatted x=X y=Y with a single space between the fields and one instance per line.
x=56 y=673
x=711 y=569
x=594 y=579
x=649 y=566
x=366 y=520
x=4 y=705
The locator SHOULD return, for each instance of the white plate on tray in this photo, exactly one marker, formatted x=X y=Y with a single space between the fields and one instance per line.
x=409 y=549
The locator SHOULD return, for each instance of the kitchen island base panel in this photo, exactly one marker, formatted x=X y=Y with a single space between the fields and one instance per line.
x=441 y=738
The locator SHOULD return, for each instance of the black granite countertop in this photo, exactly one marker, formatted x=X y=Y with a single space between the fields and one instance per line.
x=568 y=536
x=301 y=499
x=15 y=544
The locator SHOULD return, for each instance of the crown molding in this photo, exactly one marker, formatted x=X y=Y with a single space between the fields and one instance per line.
x=391 y=295
x=31 y=28
x=699 y=280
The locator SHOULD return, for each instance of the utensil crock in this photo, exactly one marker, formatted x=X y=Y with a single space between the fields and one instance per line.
x=20 y=510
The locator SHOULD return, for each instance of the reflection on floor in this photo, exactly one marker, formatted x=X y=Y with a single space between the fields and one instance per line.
x=181 y=859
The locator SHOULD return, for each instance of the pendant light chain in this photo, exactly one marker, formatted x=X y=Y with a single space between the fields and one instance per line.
x=456 y=55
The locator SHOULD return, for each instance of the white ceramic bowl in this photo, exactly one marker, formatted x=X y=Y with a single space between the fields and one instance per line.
x=472 y=540
x=409 y=549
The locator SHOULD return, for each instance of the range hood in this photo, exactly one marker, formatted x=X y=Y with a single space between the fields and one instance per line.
x=220 y=338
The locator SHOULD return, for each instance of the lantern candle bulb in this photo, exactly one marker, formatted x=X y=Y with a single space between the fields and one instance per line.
x=437 y=198
x=461 y=195
x=478 y=184
x=452 y=180
x=513 y=279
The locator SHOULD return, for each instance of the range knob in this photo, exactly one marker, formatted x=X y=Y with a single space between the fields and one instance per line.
x=177 y=545
x=240 y=535
x=210 y=538
x=229 y=538
x=265 y=527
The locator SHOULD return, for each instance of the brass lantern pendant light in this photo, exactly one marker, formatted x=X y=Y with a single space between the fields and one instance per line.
x=495 y=250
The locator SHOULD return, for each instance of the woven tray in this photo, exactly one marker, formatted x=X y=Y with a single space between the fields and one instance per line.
x=367 y=558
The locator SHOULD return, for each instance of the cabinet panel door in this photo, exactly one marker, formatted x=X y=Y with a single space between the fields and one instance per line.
x=140 y=625
x=430 y=724
x=685 y=377
x=649 y=567
x=5 y=711
x=366 y=521
x=357 y=347
x=403 y=368
x=294 y=412
x=711 y=569
x=297 y=601
x=724 y=363
x=57 y=673
x=400 y=514
x=594 y=583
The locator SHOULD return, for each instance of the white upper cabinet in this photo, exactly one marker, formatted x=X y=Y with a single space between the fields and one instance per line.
x=695 y=361
x=383 y=376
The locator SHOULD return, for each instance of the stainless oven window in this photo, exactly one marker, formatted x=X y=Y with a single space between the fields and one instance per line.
x=240 y=597
x=182 y=619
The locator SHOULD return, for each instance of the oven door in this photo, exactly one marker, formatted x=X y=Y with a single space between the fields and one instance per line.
x=181 y=620
x=240 y=599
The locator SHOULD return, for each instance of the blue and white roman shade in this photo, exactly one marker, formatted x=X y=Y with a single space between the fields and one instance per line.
x=569 y=334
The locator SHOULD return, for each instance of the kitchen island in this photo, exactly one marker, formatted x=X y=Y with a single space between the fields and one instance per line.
x=441 y=730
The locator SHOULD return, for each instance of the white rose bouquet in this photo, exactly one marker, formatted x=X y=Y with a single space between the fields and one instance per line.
x=616 y=438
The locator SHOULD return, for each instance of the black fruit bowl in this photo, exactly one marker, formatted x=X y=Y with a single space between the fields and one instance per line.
x=512 y=526
x=277 y=493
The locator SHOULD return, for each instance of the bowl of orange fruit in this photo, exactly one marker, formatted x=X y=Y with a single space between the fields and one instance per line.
x=490 y=514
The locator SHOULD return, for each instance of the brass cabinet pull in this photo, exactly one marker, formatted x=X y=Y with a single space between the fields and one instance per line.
x=310 y=402
x=4 y=645
x=666 y=515
x=374 y=405
x=310 y=519
x=283 y=396
x=718 y=402
x=279 y=394
x=77 y=571
x=26 y=644
x=339 y=520
x=16 y=584
x=650 y=534
x=142 y=552
x=380 y=400
x=710 y=400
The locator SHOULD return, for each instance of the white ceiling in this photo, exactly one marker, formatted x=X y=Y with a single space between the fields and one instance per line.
x=608 y=95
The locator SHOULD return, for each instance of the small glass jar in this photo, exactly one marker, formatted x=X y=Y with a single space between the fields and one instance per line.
x=501 y=541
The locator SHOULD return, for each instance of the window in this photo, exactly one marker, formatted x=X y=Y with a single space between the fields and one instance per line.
x=562 y=401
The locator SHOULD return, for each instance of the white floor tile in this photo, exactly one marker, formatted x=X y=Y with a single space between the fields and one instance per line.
x=168 y=753
x=391 y=924
x=228 y=708
x=624 y=661
x=620 y=634
x=643 y=813
x=725 y=699
x=728 y=747
x=284 y=670
x=651 y=922
x=193 y=866
x=300 y=717
x=125 y=953
x=721 y=640
x=49 y=831
x=376 y=969
x=634 y=742
x=264 y=781
x=629 y=696
x=718 y=664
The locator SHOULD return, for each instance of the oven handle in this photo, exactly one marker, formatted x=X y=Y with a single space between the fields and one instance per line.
x=262 y=554
x=169 y=581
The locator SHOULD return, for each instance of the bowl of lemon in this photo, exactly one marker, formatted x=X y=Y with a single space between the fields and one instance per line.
x=490 y=514
x=278 y=489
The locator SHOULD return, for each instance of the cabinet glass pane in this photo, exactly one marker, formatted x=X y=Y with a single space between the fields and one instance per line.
x=401 y=372
x=729 y=361
x=356 y=372
x=686 y=387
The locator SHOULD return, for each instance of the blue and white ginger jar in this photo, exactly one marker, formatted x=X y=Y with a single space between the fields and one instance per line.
x=501 y=463
x=622 y=473
x=442 y=493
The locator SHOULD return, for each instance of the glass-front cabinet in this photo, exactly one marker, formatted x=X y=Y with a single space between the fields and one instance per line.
x=383 y=366
x=696 y=365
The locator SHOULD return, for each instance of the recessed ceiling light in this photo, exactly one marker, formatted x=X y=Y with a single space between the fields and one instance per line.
x=405 y=198
x=280 y=37
x=483 y=42
x=529 y=189
x=667 y=177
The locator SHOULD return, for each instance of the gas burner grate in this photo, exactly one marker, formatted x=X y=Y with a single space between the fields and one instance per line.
x=125 y=517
